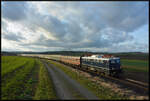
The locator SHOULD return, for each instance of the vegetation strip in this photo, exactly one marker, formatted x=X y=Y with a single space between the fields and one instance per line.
x=98 y=90
x=7 y=77
x=45 y=89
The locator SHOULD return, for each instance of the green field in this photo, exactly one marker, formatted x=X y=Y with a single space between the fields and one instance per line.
x=25 y=78
x=135 y=65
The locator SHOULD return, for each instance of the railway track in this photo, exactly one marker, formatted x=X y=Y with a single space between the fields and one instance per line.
x=138 y=86
x=138 y=82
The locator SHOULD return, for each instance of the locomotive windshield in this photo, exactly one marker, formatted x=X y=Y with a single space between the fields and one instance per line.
x=115 y=61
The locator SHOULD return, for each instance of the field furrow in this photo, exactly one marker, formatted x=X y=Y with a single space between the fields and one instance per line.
x=12 y=88
x=10 y=64
x=31 y=82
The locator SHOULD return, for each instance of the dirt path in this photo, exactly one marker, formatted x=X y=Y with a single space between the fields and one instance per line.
x=67 y=88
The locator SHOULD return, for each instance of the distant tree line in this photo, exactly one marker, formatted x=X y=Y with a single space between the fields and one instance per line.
x=123 y=55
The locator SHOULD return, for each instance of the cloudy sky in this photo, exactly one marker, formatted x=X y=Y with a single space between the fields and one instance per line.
x=77 y=26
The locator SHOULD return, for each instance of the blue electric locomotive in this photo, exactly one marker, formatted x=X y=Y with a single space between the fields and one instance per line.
x=108 y=65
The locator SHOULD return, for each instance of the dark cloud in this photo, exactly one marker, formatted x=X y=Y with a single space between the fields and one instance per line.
x=12 y=37
x=123 y=16
x=14 y=10
x=53 y=25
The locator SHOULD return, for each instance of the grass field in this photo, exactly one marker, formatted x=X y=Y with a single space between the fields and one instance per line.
x=11 y=63
x=25 y=78
x=135 y=65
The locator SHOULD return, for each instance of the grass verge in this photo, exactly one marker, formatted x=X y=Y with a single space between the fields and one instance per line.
x=45 y=89
x=11 y=63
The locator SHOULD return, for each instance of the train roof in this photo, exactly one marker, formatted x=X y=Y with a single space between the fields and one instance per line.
x=101 y=57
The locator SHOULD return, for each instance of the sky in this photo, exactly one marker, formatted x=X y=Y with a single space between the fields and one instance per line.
x=75 y=26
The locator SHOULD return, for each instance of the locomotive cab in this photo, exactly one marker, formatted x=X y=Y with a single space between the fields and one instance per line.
x=115 y=66
x=104 y=63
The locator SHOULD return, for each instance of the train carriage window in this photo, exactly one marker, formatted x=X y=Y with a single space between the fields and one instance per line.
x=105 y=61
x=87 y=60
x=92 y=61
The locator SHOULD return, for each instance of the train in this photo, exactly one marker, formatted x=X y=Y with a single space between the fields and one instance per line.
x=103 y=64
